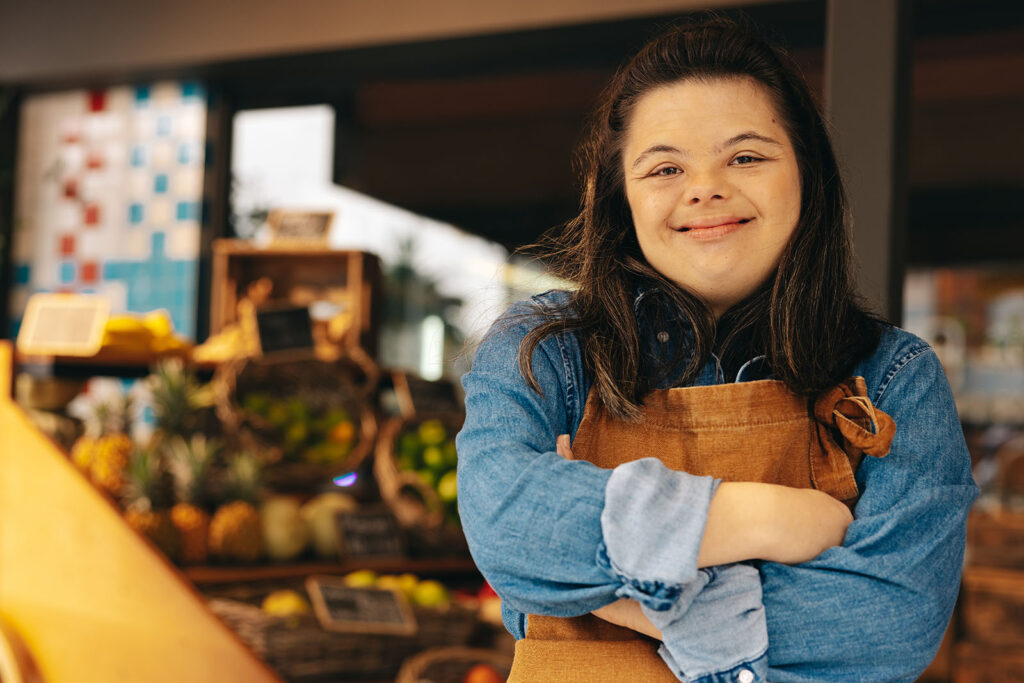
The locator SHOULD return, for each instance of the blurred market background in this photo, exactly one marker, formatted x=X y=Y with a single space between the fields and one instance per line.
x=169 y=160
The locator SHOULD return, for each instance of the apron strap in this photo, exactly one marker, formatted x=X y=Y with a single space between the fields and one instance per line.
x=849 y=427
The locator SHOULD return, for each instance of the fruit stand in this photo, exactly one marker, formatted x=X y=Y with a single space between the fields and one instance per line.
x=257 y=470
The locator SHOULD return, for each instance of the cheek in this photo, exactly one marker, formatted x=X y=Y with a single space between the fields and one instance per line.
x=783 y=195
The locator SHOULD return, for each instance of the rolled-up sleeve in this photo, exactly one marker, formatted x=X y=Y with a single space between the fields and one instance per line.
x=563 y=537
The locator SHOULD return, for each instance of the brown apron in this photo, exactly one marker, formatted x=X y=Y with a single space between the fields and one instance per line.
x=745 y=431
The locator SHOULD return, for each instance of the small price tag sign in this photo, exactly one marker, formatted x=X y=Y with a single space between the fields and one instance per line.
x=285 y=330
x=369 y=534
x=339 y=607
x=300 y=227
x=63 y=325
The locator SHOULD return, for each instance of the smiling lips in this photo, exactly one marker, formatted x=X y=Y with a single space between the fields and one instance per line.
x=713 y=226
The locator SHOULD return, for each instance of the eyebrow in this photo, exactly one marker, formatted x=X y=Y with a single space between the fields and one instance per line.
x=742 y=137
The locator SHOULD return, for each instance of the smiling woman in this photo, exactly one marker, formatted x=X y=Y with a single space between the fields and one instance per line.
x=657 y=470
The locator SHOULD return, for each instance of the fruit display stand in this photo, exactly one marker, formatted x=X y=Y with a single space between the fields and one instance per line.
x=317 y=417
x=83 y=597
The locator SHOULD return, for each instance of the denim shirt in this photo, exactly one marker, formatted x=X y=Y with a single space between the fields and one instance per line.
x=563 y=537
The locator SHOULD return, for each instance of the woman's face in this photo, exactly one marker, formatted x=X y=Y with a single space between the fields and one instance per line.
x=713 y=185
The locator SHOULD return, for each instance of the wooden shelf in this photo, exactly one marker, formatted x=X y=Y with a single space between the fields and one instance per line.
x=205 y=575
x=106 y=363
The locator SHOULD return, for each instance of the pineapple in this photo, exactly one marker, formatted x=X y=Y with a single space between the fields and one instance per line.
x=103 y=452
x=83 y=452
x=149 y=494
x=235 y=530
x=111 y=456
x=177 y=399
x=190 y=462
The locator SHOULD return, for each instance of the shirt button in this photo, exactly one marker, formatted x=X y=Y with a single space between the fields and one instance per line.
x=663 y=337
x=746 y=676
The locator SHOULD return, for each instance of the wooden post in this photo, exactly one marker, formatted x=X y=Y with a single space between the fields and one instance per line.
x=867 y=92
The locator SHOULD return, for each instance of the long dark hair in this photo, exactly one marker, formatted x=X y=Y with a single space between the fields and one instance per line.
x=806 y=318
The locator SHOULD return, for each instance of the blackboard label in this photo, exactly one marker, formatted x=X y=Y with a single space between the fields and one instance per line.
x=284 y=329
x=366 y=534
x=339 y=607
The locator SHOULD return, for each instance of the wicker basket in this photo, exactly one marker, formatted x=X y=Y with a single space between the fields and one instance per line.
x=299 y=649
x=450 y=664
x=348 y=383
x=416 y=506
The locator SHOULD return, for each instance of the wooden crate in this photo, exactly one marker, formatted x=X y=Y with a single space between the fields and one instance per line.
x=974 y=663
x=995 y=538
x=992 y=608
x=301 y=275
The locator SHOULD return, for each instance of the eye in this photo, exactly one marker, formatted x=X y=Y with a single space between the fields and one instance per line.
x=667 y=171
x=746 y=159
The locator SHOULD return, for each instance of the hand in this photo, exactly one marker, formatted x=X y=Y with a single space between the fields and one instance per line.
x=563 y=446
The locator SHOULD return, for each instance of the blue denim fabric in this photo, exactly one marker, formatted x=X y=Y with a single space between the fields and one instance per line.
x=563 y=538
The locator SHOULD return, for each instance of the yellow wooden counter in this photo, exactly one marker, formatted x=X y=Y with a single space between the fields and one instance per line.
x=83 y=598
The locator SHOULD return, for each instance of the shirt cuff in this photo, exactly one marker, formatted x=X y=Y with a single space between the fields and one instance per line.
x=652 y=525
x=719 y=632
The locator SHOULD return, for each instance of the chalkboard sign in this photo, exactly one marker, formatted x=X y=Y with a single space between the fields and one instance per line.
x=366 y=534
x=418 y=397
x=284 y=329
x=339 y=607
x=307 y=227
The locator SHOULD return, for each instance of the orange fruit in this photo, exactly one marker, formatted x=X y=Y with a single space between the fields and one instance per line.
x=482 y=673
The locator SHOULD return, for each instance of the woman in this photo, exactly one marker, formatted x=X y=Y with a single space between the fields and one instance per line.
x=653 y=468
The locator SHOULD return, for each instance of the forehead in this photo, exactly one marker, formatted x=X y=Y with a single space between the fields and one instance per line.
x=700 y=114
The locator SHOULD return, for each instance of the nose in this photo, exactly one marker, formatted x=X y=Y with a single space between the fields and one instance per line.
x=704 y=187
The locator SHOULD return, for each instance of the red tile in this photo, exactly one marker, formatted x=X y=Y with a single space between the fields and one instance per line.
x=94 y=160
x=67 y=245
x=97 y=100
x=89 y=272
x=92 y=214
x=71 y=188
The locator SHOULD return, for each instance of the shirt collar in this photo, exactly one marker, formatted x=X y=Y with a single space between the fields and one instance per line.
x=754 y=369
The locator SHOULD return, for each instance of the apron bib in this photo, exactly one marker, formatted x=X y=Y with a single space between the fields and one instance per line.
x=747 y=431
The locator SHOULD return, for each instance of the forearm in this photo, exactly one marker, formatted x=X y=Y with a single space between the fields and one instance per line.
x=627 y=613
x=757 y=521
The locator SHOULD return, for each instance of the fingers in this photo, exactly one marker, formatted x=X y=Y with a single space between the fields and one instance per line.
x=562 y=445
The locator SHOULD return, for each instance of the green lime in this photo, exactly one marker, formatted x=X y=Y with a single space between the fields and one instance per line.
x=409 y=443
x=447 y=487
x=433 y=457
x=432 y=433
